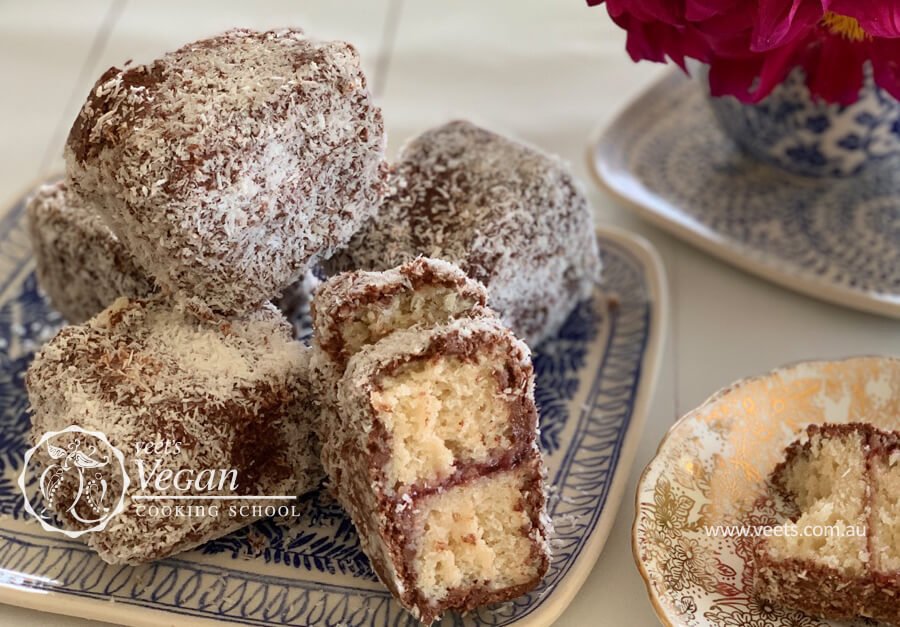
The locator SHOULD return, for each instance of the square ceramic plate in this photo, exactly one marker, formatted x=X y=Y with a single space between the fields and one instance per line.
x=834 y=239
x=595 y=379
x=711 y=469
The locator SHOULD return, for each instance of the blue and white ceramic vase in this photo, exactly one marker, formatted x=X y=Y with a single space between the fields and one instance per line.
x=792 y=130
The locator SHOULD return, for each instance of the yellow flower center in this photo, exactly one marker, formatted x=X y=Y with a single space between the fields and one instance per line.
x=845 y=26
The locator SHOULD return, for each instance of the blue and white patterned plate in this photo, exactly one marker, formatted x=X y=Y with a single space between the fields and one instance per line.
x=834 y=239
x=595 y=380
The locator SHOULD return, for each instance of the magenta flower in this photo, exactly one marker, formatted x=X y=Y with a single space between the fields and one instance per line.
x=655 y=39
x=752 y=45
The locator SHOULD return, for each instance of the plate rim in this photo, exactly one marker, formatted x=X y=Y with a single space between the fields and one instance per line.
x=687 y=229
x=658 y=293
x=661 y=613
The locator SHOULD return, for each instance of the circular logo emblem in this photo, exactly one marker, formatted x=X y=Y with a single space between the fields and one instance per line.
x=76 y=475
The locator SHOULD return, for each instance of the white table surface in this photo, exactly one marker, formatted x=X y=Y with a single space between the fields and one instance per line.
x=549 y=71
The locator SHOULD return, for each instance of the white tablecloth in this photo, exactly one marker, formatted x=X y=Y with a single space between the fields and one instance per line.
x=549 y=71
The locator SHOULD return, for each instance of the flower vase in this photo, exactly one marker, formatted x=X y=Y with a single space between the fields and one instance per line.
x=793 y=131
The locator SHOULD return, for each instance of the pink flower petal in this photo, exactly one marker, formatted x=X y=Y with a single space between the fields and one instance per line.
x=886 y=65
x=782 y=21
x=668 y=12
x=777 y=64
x=654 y=41
x=729 y=34
x=733 y=77
x=699 y=10
x=750 y=79
x=834 y=69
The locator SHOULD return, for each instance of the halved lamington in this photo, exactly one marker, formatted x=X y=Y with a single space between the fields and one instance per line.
x=839 y=555
x=354 y=309
x=179 y=395
x=433 y=452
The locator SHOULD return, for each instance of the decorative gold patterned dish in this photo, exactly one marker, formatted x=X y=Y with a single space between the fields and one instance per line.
x=704 y=485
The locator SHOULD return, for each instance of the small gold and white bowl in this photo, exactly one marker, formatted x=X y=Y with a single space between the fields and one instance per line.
x=710 y=470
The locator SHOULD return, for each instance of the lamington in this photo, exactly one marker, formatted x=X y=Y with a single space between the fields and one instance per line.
x=508 y=215
x=432 y=450
x=228 y=166
x=81 y=265
x=232 y=394
x=843 y=478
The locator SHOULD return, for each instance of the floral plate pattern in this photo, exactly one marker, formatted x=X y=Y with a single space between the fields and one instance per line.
x=595 y=380
x=834 y=239
x=710 y=471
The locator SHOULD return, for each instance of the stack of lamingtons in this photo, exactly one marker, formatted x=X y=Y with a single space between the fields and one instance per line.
x=227 y=176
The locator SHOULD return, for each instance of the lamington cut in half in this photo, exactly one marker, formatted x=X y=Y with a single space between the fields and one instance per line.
x=81 y=265
x=355 y=309
x=839 y=557
x=432 y=450
x=177 y=394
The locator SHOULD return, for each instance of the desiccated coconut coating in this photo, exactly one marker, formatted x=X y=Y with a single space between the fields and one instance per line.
x=358 y=308
x=228 y=166
x=432 y=450
x=233 y=394
x=508 y=215
x=81 y=264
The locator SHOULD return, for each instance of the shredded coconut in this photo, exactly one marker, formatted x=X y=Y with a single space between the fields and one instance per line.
x=507 y=214
x=81 y=265
x=234 y=394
